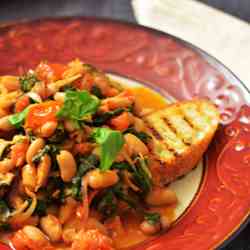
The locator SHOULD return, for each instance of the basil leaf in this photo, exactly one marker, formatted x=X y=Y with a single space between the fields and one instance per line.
x=78 y=104
x=111 y=143
x=18 y=118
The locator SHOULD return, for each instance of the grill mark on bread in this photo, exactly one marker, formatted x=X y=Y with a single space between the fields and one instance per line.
x=199 y=118
x=172 y=141
x=158 y=136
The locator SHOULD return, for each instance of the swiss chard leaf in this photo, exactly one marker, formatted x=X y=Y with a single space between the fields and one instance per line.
x=123 y=195
x=141 y=135
x=111 y=143
x=78 y=104
x=101 y=119
x=97 y=92
x=59 y=136
x=121 y=165
x=107 y=204
x=18 y=118
x=28 y=81
x=142 y=176
x=4 y=211
x=152 y=218
x=41 y=208
x=4 y=226
x=84 y=165
x=37 y=158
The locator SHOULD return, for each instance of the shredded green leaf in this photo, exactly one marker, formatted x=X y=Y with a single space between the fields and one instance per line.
x=111 y=143
x=97 y=92
x=142 y=176
x=37 y=158
x=152 y=218
x=28 y=81
x=101 y=119
x=4 y=211
x=141 y=135
x=78 y=104
x=17 y=119
x=85 y=164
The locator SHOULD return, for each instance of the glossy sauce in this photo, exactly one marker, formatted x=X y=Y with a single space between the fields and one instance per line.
x=131 y=235
x=148 y=98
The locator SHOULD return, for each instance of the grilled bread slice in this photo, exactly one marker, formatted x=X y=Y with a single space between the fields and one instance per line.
x=181 y=134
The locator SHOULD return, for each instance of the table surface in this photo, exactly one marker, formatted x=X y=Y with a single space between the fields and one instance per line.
x=117 y=9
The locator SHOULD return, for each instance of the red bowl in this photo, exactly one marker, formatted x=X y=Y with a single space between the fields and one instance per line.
x=173 y=66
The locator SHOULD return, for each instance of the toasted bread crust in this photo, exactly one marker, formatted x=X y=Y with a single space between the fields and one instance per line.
x=181 y=134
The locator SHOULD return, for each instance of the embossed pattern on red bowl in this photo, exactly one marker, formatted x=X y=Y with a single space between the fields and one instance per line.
x=172 y=66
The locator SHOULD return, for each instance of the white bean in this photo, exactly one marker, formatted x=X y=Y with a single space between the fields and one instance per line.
x=43 y=169
x=135 y=145
x=5 y=124
x=11 y=83
x=35 y=235
x=150 y=229
x=59 y=96
x=6 y=165
x=29 y=176
x=102 y=179
x=67 y=210
x=48 y=129
x=51 y=227
x=67 y=165
x=165 y=222
x=161 y=196
x=33 y=149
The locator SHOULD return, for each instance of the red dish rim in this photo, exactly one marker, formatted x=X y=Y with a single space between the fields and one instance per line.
x=227 y=73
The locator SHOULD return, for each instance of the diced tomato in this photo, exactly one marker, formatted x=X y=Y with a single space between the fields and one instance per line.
x=4 y=247
x=83 y=148
x=121 y=122
x=111 y=92
x=22 y=103
x=40 y=113
x=18 y=152
x=86 y=83
x=20 y=241
x=92 y=240
x=50 y=72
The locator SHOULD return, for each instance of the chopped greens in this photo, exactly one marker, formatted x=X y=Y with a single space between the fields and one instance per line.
x=121 y=165
x=28 y=81
x=37 y=158
x=78 y=104
x=18 y=118
x=4 y=226
x=152 y=218
x=122 y=194
x=101 y=119
x=141 y=135
x=97 y=92
x=107 y=204
x=111 y=143
x=142 y=176
x=59 y=135
x=85 y=164
x=41 y=208
x=4 y=212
